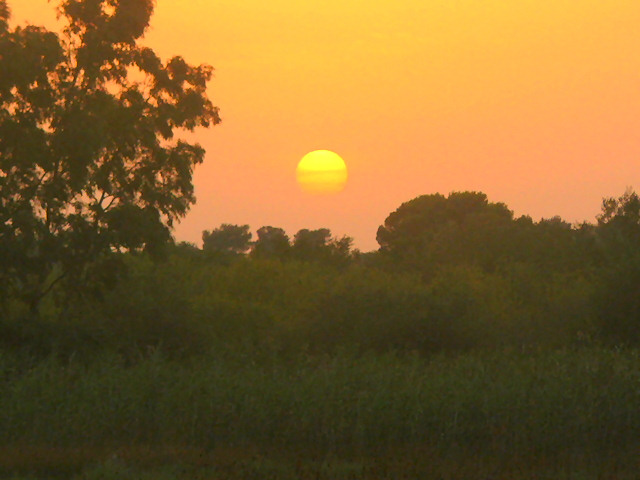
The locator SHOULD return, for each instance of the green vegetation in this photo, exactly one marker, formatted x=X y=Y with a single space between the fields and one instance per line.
x=245 y=366
x=323 y=362
x=89 y=159
x=471 y=345
x=507 y=408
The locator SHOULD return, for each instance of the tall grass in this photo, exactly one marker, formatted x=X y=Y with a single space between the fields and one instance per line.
x=509 y=403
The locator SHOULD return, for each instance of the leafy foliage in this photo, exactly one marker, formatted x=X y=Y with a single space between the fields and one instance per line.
x=89 y=160
x=227 y=239
x=618 y=238
x=300 y=351
x=272 y=242
x=319 y=245
x=432 y=230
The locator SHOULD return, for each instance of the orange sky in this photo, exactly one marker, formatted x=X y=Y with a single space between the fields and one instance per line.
x=534 y=102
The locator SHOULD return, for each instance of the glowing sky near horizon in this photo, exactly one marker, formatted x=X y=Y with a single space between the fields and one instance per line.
x=534 y=102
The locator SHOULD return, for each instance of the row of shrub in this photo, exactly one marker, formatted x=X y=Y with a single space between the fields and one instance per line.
x=186 y=306
x=452 y=274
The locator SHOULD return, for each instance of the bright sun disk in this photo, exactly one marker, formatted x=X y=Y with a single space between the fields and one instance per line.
x=322 y=171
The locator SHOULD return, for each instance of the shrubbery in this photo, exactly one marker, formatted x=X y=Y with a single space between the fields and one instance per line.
x=325 y=298
x=185 y=307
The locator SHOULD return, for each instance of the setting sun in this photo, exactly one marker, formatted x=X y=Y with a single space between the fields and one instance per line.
x=322 y=171
x=534 y=103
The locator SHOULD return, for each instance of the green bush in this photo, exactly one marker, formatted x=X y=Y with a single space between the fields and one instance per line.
x=368 y=309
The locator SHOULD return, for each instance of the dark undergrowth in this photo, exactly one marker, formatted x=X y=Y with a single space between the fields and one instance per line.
x=551 y=414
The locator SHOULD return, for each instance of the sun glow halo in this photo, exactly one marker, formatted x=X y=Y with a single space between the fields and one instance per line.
x=322 y=171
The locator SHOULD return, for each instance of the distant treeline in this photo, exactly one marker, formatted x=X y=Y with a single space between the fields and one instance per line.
x=453 y=273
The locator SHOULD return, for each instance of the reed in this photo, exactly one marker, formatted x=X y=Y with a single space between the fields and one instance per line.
x=566 y=406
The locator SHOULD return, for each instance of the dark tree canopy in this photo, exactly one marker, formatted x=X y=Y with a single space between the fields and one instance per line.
x=432 y=231
x=227 y=238
x=272 y=242
x=321 y=245
x=461 y=228
x=309 y=243
x=90 y=163
x=619 y=222
x=618 y=241
x=424 y=217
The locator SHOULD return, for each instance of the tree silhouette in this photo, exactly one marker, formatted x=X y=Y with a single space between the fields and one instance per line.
x=319 y=245
x=227 y=238
x=311 y=243
x=619 y=222
x=618 y=237
x=89 y=161
x=272 y=242
x=431 y=230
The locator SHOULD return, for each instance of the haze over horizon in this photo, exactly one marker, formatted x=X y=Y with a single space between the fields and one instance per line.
x=537 y=104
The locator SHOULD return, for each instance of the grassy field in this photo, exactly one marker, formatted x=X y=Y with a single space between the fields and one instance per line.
x=508 y=415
